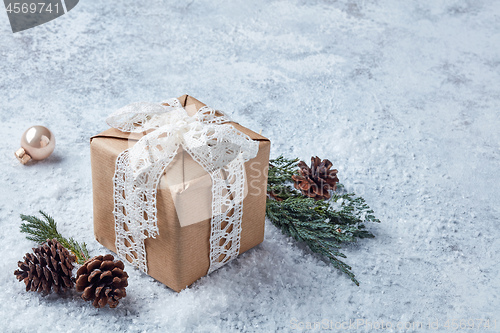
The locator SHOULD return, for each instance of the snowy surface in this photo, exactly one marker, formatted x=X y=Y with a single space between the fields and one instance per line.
x=403 y=97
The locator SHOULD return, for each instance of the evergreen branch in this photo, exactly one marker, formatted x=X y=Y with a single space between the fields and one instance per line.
x=279 y=175
x=323 y=225
x=39 y=231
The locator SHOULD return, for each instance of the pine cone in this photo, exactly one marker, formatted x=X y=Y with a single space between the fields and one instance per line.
x=316 y=181
x=103 y=280
x=49 y=268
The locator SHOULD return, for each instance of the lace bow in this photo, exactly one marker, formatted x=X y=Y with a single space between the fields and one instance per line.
x=218 y=147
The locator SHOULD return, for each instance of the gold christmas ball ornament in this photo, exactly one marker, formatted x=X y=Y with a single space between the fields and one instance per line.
x=37 y=143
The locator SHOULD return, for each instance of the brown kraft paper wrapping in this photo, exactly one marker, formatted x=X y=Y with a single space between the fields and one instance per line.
x=179 y=255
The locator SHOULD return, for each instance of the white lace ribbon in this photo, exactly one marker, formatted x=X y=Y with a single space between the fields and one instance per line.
x=218 y=147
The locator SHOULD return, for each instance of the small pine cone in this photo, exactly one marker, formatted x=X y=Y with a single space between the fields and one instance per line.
x=316 y=181
x=49 y=268
x=102 y=280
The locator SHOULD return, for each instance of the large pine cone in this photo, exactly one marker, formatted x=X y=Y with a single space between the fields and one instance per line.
x=316 y=181
x=49 y=268
x=102 y=280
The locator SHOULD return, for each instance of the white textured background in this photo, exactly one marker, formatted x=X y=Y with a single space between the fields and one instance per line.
x=403 y=97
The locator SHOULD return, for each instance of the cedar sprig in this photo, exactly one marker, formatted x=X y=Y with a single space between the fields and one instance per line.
x=324 y=225
x=39 y=231
x=279 y=177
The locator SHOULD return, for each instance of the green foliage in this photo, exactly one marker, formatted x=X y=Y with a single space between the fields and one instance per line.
x=324 y=225
x=39 y=231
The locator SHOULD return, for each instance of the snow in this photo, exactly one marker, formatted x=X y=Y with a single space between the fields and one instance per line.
x=402 y=96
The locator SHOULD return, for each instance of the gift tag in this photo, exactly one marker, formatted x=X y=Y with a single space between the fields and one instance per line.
x=26 y=14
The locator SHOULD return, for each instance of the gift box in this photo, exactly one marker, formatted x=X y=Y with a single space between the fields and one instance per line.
x=180 y=252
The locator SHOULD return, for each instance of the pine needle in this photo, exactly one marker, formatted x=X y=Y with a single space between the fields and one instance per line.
x=323 y=225
x=39 y=231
